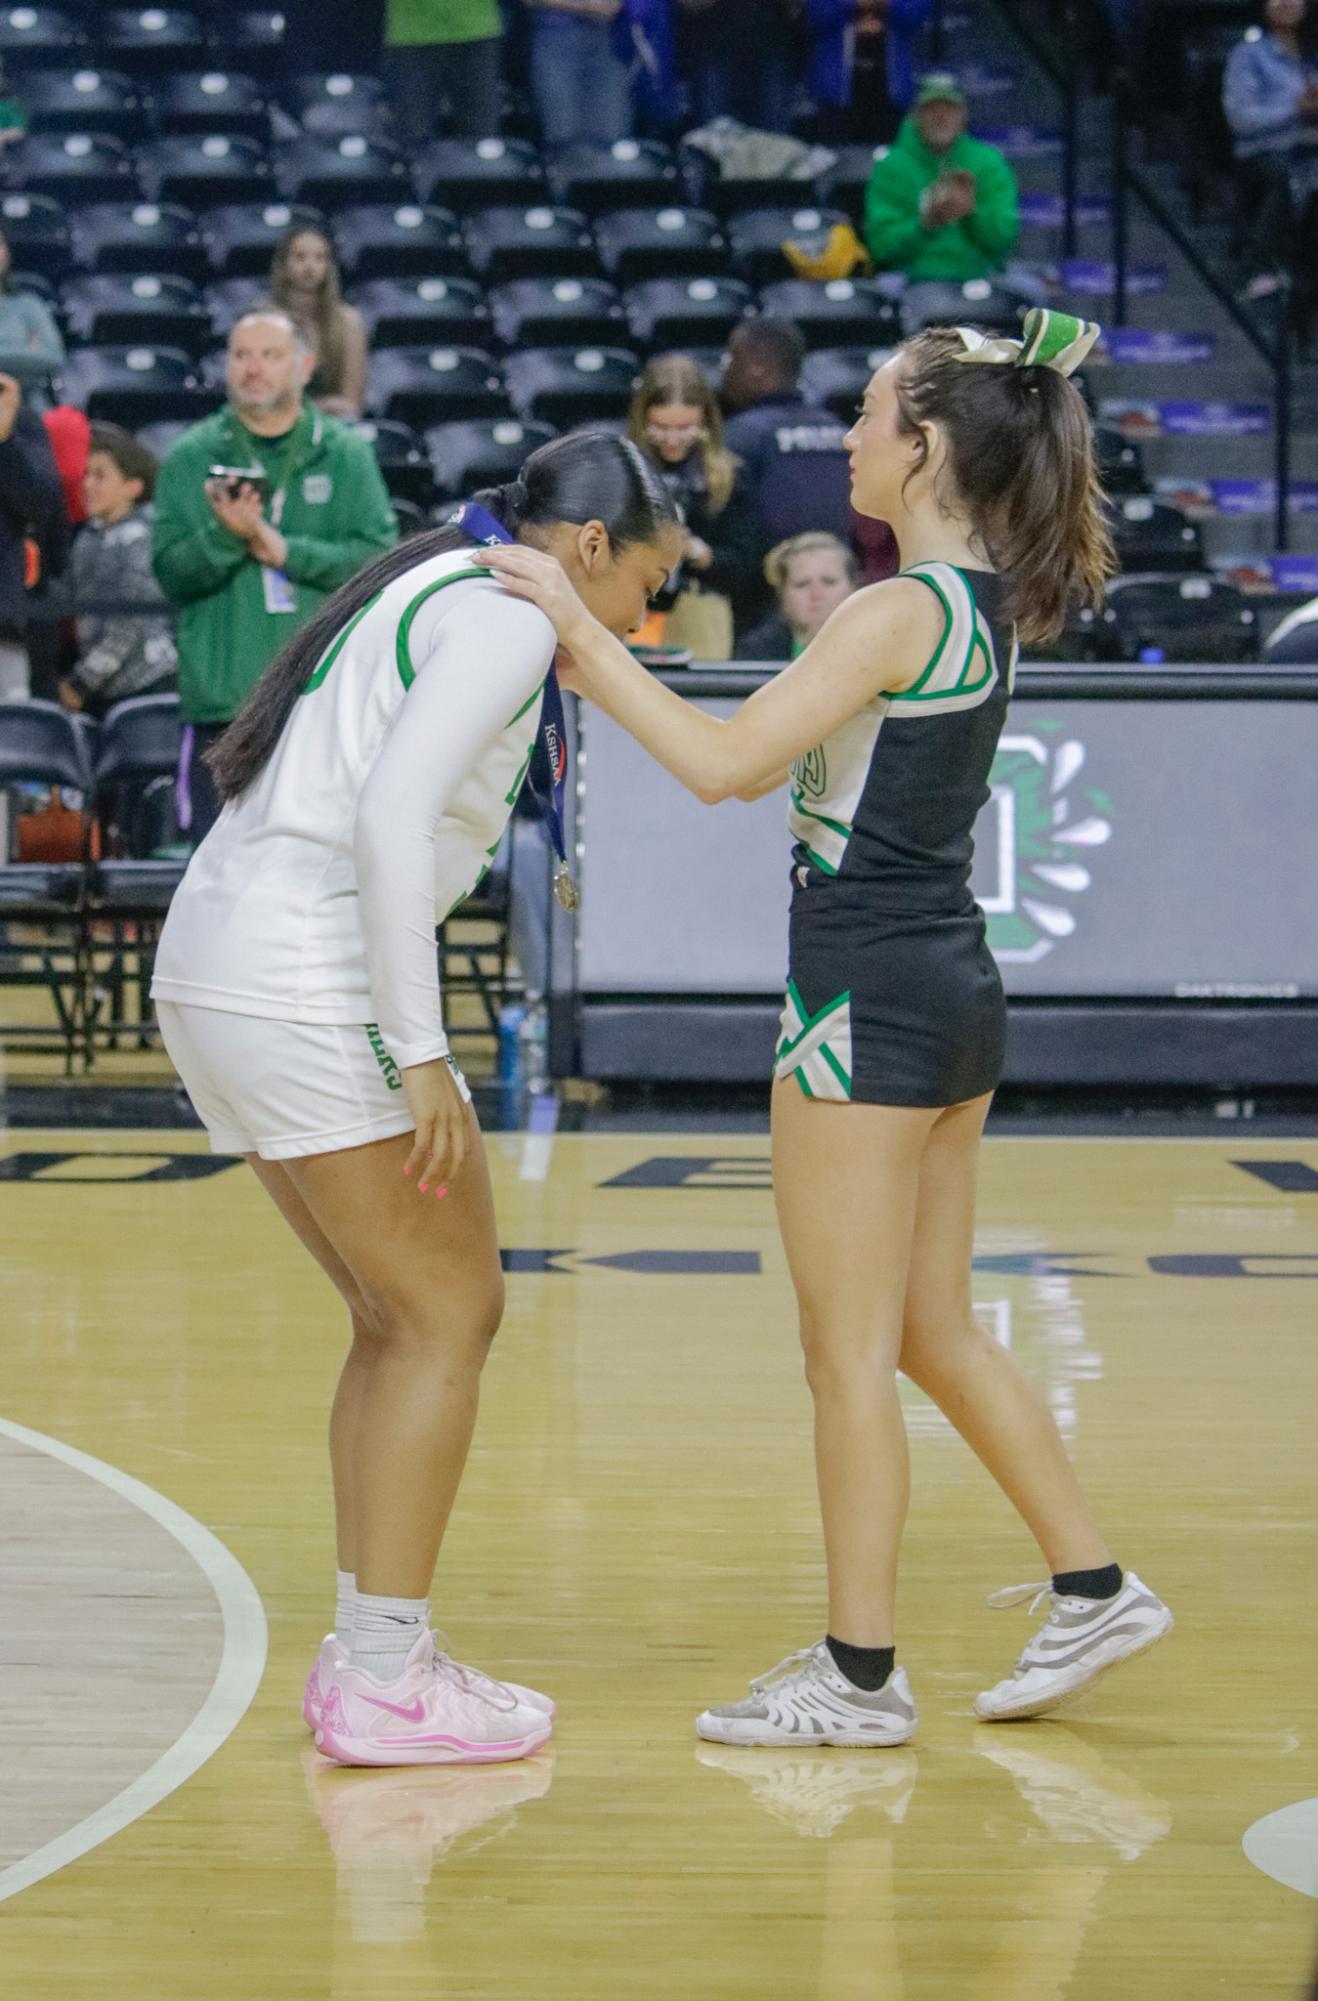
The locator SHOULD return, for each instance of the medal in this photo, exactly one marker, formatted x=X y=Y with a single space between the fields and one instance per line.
x=564 y=888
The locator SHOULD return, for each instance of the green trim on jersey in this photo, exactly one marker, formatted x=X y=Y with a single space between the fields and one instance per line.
x=403 y=637
x=949 y=617
x=338 y=645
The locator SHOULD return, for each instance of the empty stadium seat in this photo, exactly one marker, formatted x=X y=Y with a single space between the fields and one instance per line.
x=248 y=36
x=37 y=35
x=139 y=236
x=631 y=173
x=679 y=312
x=837 y=312
x=994 y=308
x=1152 y=536
x=381 y=241
x=757 y=237
x=843 y=185
x=532 y=242
x=1120 y=462
x=213 y=101
x=160 y=438
x=150 y=40
x=333 y=172
x=38 y=234
x=1175 y=618
x=152 y=310
x=403 y=464
x=76 y=167
x=241 y=237
x=201 y=170
x=557 y=312
x=638 y=243
x=482 y=452
x=468 y=174
x=431 y=385
x=83 y=100
x=837 y=377
x=227 y=299
x=338 y=103
x=409 y=517
x=726 y=195
x=134 y=385
x=563 y=387
x=404 y=312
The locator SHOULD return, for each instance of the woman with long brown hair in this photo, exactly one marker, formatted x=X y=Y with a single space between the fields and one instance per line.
x=304 y=283
x=894 y=1029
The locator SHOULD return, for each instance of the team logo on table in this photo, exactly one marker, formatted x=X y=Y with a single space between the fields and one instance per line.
x=1036 y=844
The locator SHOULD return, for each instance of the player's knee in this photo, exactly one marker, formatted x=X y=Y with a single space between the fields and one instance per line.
x=933 y=1345
x=838 y=1355
x=411 y=1315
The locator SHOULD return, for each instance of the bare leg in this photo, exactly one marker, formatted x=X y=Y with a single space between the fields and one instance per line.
x=998 y=1410
x=845 y=1183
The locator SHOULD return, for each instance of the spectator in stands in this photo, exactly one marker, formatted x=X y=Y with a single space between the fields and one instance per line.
x=675 y=420
x=579 y=74
x=13 y=116
x=304 y=282
x=941 y=206
x=34 y=530
x=811 y=575
x=444 y=56
x=1270 y=96
x=862 y=66
x=793 y=452
x=742 y=58
x=30 y=345
x=245 y=560
x=123 y=647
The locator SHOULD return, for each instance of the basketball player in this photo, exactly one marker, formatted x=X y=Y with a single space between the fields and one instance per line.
x=368 y=782
x=978 y=454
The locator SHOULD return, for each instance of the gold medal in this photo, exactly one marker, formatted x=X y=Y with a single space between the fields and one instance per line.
x=564 y=887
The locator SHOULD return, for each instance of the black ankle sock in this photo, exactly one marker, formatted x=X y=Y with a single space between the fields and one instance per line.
x=1104 y=1583
x=864 y=1667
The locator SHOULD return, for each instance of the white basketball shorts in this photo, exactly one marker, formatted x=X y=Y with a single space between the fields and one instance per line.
x=282 y=1089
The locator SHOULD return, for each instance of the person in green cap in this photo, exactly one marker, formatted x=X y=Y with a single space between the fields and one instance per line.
x=444 y=55
x=941 y=206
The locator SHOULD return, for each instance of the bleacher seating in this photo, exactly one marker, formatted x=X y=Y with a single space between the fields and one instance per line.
x=403 y=312
x=566 y=386
x=83 y=100
x=379 y=241
x=433 y=385
x=471 y=174
x=556 y=312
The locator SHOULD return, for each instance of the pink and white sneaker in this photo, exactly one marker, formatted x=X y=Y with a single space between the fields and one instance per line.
x=434 y=1713
x=313 y=1695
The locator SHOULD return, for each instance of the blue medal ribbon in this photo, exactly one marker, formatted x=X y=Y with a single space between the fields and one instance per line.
x=546 y=776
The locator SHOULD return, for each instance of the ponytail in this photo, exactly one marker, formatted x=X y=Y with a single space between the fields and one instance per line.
x=1021 y=456
x=589 y=476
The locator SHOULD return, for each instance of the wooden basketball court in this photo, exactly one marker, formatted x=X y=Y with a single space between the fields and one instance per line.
x=637 y=1534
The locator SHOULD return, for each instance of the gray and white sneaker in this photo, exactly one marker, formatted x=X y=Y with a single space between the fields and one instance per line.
x=1081 y=1639
x=806 y=1699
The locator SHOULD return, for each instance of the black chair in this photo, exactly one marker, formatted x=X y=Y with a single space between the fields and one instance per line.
x=404 y=467
x=557 y=312
x=161 y=438
x=636 y=243
x=213 y=101
x=339 y=104
x=203 y=169
x=409 y=517
x=683 y=312
x=241 y=237
x=728 y=195
x=153 y=40
x=134 y=385
x=1120 y=462
x=631 y=173
x=1181 y=618
x=995 y=308
x=38 y=36
x=429 y=385
x=76 y=167
x=139 y=236
x=404 y=312
x=563 y=387
x=836 y=312
x=481 y=452
x=505 y=243
x=41 y=744
x=379 y=241
x=1149 y=535
x=249 y=37
x=129 y=892
x=152 y=310
x=227 y=299
x=757 y=237
x=471 y=174
x=38 y=234
x=337 y=172
x=843 y=185
x=84 y=100
x=837 y=377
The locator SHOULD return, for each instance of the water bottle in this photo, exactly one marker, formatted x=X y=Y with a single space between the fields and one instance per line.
x=533 y=1035
x=512 y=1051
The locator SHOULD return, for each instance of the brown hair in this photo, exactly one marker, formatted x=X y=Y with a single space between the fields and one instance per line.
x=1021 y=456
x=128 y=454
x=677 y=378
x=325 y=329
x=783 y=554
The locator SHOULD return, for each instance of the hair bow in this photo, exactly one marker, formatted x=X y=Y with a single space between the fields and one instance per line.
x=1049 y=340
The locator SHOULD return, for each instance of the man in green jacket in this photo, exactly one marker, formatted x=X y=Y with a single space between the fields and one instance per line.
x=246 y=561
x=941 y=206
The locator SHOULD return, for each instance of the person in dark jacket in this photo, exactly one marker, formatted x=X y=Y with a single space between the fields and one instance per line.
x=742 y=56
x=125 y=633
x=862 y=66
x=31 y=509
x=811 y=575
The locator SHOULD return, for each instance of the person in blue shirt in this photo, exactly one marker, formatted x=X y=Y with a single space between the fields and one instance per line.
x=1270 y=97
x=862 y=57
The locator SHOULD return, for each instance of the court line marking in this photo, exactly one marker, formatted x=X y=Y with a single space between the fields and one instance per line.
x=237 y=1677
x=538 y=1145
x=1284 y=1845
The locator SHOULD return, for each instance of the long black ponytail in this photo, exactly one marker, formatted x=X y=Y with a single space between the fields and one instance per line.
x=587 y=476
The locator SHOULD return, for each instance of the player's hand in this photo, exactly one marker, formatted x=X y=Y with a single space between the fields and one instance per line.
x=269 y=547
x=440 y=1113
x=542 y=580
x=240 y=513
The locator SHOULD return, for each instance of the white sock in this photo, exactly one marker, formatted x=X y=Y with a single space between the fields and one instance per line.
x=345 y=1607
x=384 y=1632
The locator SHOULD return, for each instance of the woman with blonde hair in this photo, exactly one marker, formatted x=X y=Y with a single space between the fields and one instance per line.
x=810 y=575
x=304 y=283
x=675 y=420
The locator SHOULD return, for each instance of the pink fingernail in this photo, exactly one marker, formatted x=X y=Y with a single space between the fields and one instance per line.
x=440 y=1194
x=425 y=1188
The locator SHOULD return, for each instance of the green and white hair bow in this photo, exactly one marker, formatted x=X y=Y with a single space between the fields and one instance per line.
x=1048 y=340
